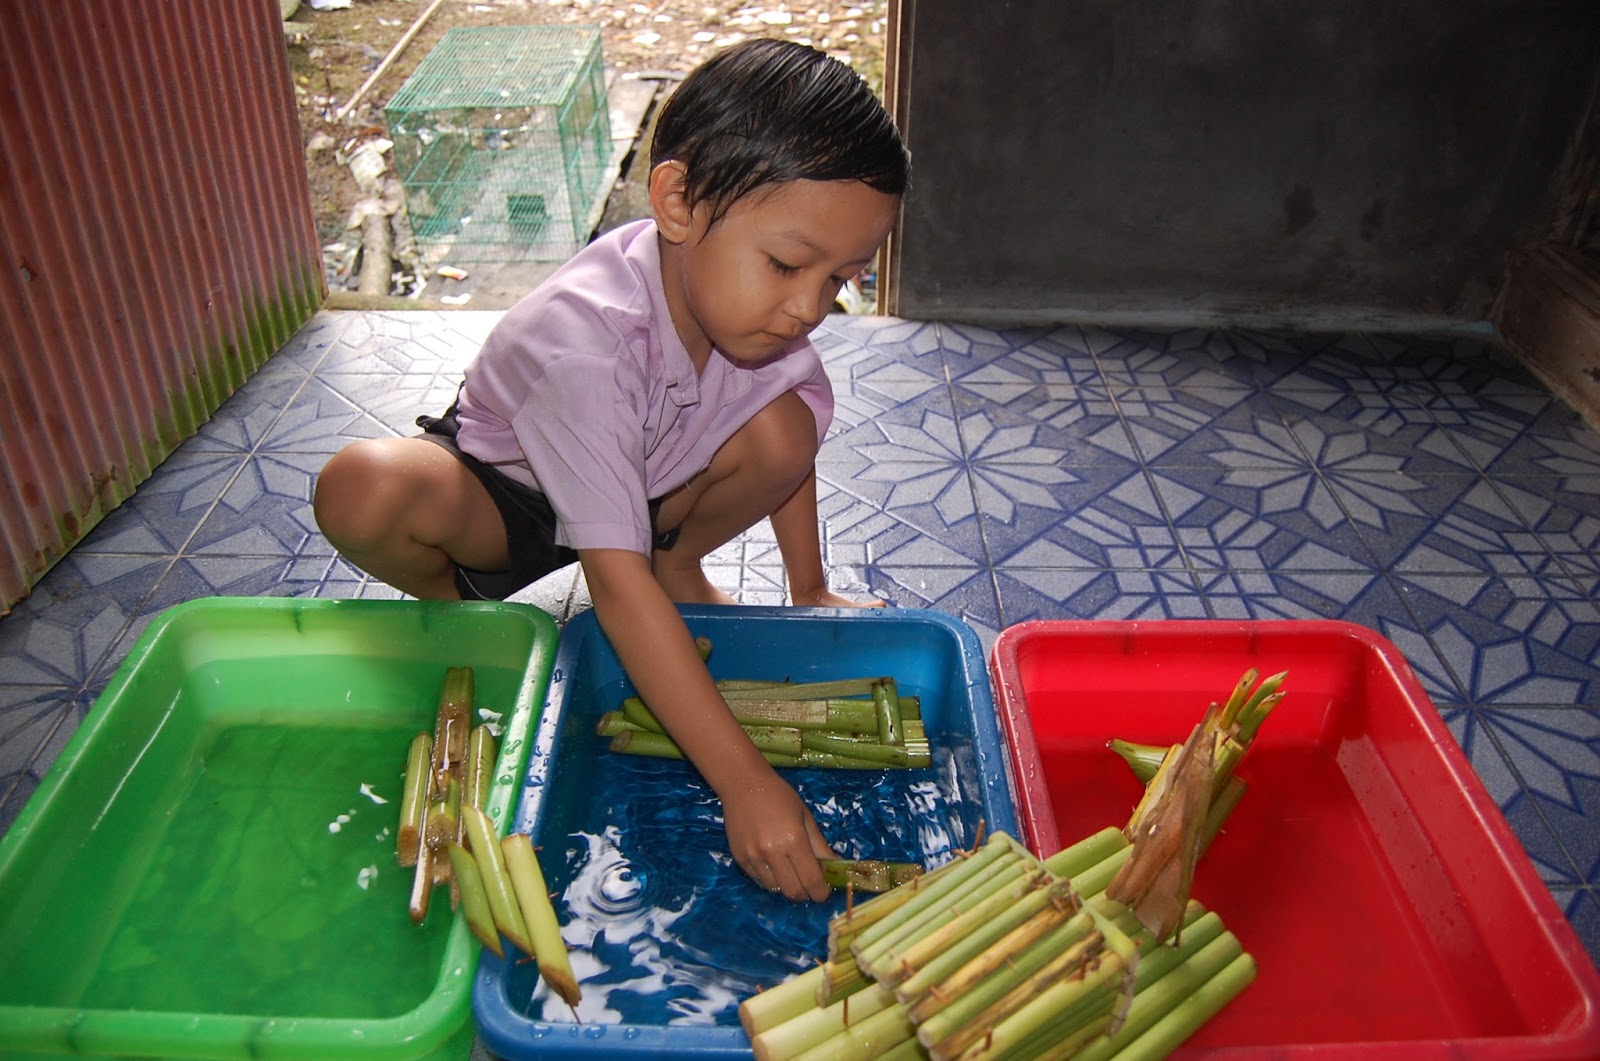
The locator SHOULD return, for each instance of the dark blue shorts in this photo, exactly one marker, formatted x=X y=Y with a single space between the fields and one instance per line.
x=529 y=519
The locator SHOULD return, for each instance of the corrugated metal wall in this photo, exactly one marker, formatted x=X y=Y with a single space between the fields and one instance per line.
x=156 y=246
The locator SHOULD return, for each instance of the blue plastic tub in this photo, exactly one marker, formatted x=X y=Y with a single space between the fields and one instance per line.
x=666 y=935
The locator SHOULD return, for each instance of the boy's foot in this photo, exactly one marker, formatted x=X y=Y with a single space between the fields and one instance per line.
x=828 y=599
x=690 y=586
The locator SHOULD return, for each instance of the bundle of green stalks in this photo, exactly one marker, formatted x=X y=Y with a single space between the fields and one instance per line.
x=1000 y=955
x=1190 y=789
x=446 y=835
x=850 y=724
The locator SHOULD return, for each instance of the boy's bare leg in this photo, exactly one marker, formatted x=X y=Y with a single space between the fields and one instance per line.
x=750 y=477
x=406 y=511
x=796 y=525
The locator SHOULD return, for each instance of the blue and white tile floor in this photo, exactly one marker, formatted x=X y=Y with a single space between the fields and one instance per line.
x=1431 y=490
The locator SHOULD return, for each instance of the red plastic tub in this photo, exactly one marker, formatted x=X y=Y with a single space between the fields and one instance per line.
x=1391 y=910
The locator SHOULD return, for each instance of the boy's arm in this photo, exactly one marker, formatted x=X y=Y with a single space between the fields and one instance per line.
x=795 y=526
x=771 y=833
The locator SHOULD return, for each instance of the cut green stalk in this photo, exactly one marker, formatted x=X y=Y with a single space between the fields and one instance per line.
x=444 y=818
x=843 y=928
x=932 y=890
x=702 y=645
x=866 y=1038
x=491 y=861
x=1222 y=804
x=413 y=799
x=1043 y=998
x=645 y=742
x=886 y=699
x=841 y=977
x=978 y=982
x=1241 y=690
x=1030 y=917
x=1155 y=961
x=611 y=723
x=781 y=1002
x=544 y=930
x=1096 y=878
x=879 y=955
x=776 y=740
x=474 y=900
x=867 y=874
x=909 y=1050
x=844 y=716
x=635 y=711
x=828 y=761
x=799 y=1034
x=1252 y=706
x=421 y=883
x=1248 y=726
x=803 y=690
x=1143 y=759
x=1086 y=853
x=960 y=1018
x=480 y=766
x=914 y=920
x=981 y=908
x=452 y=725
x=949 y=1031
x=1172 y=1008
x=1055 y=1041
x=889 y=755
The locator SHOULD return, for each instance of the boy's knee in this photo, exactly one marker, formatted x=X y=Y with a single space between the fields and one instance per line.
x=787 y=435
x=354 y=492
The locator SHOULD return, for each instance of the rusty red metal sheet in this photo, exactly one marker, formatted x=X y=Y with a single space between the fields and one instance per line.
x=157 y=241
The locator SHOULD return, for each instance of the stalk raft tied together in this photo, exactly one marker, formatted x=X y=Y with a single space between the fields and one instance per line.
x=999 y=955
x=846 y=724
x=996 y=955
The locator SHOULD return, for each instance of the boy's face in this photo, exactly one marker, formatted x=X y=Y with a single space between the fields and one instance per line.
x=766 y=274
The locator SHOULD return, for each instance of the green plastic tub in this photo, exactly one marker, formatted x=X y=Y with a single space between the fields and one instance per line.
x=208 y=870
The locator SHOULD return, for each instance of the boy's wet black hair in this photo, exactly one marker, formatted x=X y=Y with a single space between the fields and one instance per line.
x=766 y=111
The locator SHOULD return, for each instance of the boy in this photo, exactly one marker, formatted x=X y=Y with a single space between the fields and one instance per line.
x=653 y=399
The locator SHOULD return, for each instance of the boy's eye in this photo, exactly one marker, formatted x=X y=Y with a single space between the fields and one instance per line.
x=783 y=268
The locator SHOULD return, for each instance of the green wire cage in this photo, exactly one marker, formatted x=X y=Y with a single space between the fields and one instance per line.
x=501 y=137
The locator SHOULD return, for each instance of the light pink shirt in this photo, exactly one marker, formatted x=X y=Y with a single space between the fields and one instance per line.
x=585 y=392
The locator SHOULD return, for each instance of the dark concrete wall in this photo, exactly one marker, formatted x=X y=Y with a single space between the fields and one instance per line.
x=1365 y=163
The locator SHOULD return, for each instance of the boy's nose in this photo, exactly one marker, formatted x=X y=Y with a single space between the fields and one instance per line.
x=806 y=307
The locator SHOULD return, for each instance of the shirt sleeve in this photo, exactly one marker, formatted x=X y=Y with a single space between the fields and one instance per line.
x=580 y=427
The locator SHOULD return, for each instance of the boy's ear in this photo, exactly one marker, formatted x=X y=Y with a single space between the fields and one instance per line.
x=669 y=201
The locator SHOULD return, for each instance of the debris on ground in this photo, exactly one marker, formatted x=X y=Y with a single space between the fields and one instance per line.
x=336 y=46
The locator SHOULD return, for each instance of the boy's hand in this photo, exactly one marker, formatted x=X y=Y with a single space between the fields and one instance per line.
x=775 y=840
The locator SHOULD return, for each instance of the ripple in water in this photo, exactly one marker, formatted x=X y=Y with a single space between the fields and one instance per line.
x=663 y=928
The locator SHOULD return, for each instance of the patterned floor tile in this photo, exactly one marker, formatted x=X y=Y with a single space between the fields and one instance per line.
x=245 y=420
x=307 y=348
x=1555 y=753
x=1582 y=907
x=163 y=514
x=1441 y=522
x=395 y=401
x=1514 y=642
x=1056 y=593
x=1562 y=513
x=76 y=613
x=29 y=717
x=1555 y=442
x=1274 y=506
x=1427 y=489
x=266 y=510
x=321 y=420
